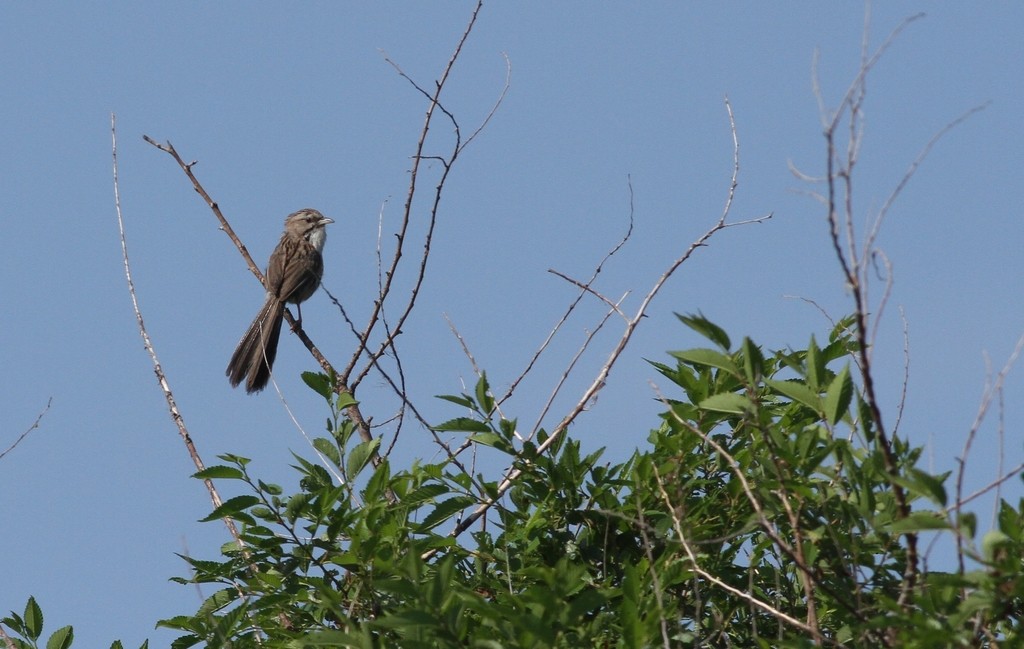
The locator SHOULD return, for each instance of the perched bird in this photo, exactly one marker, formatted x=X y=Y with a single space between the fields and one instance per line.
x=293 y=275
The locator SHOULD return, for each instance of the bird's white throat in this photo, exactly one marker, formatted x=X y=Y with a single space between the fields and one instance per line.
x=317 y=238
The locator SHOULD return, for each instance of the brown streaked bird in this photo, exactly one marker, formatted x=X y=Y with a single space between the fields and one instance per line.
x=293 y=275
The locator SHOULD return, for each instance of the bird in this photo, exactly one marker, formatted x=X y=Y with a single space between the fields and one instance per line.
x=293 y=275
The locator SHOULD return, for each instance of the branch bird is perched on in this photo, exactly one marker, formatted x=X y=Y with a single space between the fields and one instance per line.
x=293 y=275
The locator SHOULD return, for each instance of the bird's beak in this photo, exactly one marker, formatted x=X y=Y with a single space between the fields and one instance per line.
x=326 y=221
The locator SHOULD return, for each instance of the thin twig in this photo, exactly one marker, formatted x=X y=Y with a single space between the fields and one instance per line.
x=993 y=389
x=165 y=388
x=418 y=157
x=31 y=428
x=616 y=352
x=572 y=305
x=747 y=597
x=587 y=289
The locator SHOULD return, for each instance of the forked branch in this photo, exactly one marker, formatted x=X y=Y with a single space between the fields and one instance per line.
x=630 y=327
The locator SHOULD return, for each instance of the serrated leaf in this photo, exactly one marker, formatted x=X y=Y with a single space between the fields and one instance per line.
x=328 y=449
x=918 y=522
x=346 y=400
x=797 y=391
x=61 y=638
x=185 y=641
x=839 y=395
x=463 y=425
x=360 y=455
x=491 y=439
x=753 y=361
x=483 y=395
x=815 y=366
x=219 y=472
x=968 y=523
x=33 y=619
x=729 y=402
x=706 y=328
x=709 y=358
x=233 y=508
x=445 y=510
x=458 y=400
x=319 y=383
x=924 y=484
x=424 y=493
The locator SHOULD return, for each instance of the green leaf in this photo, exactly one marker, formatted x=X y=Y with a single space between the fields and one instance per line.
x=867 y=422
x=233 y=508
x=463 y=425
x=458 y=400
x=729 y=402
x=483 y=395
x=797 y=391
x=345 y=400
x=33 y=619
x=706 y=328
x=61 y=638
x=234 y=459
x=839 y=395
x=815 y=366
x=445 y=510
x=992 y=542
x=424 y=493
x=968 y=523
x=493 y=440
x=919 y=521
x=919 y=483
x=753 y=361
x=360 y=455
x=319 y=383
x=707 y=357
x=219 y=472
x=328 y=449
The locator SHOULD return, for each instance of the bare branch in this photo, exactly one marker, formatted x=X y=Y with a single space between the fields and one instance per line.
x=614 y=306
x=31 y=428
x=993 y=390
x=497 y=103
x=572 y=305
x=389 y=276
x=764 y=606
x=616 y=352
x=873 y=234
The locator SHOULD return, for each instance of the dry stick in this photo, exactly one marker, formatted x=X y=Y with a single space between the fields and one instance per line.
x=854 y=271
x=765 y=523
x=652 y=563
x=764 y=606
x=993 y=388
x=353 y=410
x=855 y=267
x=172 y=406
x=165 y=387
x=418 y=157
x=585 y=288
x=614 y=308
x=31 y=428
x=631 y=326
x=575 y=302
x=906 y=372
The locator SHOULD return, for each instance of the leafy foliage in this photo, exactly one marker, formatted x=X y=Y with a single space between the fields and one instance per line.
x=761 y=515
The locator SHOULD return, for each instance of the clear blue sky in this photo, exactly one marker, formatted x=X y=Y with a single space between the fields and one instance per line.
x=294 y=106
